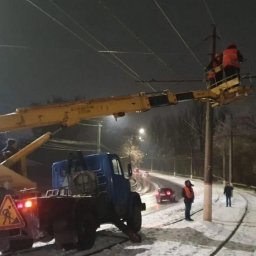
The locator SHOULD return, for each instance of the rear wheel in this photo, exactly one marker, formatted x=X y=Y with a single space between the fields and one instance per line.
x=134 y=219
x=86 y=231
x=64 y=235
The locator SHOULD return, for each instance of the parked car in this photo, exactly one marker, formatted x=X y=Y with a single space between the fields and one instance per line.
x=165 y=194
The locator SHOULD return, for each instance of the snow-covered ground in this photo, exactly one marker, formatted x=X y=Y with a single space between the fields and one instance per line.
x=161 y=236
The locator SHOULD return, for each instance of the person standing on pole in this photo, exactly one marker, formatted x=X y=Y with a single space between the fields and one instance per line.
x=188 y=194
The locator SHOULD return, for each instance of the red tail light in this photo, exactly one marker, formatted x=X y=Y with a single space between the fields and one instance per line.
x=20 y=205
x=168 y=193
x=28 y=204
x=25 y=204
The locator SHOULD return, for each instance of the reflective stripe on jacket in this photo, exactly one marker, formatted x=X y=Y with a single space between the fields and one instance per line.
x=230 y=58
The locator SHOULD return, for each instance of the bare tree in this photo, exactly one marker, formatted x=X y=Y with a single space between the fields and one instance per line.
x=130 y=149
x=243 y=146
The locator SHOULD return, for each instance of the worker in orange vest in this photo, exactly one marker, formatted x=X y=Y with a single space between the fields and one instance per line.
x=214 y=70
x=231 y=61
x=188 y=194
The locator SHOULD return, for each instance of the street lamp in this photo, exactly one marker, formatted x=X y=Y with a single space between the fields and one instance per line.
x=141 y=131
x=141 y=134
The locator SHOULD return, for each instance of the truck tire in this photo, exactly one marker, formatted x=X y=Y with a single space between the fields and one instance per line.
x=86 y=231
x=134 y=219
x=63 y=234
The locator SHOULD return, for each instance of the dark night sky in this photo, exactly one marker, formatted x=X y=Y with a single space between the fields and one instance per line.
x=53 y=48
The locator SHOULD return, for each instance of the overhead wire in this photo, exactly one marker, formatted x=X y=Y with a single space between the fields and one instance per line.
x=59 y=23
x=62 y=25
x=143 y=43
x=249 y=77
x=176 y=81
x=128 y=70
x=94 y=38
x=133 y=34
x=180 y=58
x=14 y=46
x=126 y=52
x=209 y=12
x=177 y=32
x=219 y=33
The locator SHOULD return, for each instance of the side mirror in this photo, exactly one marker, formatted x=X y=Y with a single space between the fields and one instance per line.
x=129 y=168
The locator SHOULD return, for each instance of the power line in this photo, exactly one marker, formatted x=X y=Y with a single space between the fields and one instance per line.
x=126 y=52
x=212 y=18
x=94 y=38
x=172 y=81
x=14 y=46
x=177 y=32
x=219 y=33
x=133 y=74
x=66 y=28
x=209 y=12
x=59 y=23
x=133 y=34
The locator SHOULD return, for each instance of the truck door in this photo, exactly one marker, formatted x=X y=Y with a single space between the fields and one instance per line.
x=120 y=188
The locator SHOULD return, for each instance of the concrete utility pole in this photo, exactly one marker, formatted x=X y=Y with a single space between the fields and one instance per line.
x=224 y=164
x=208 y=147
x=191 y=165
x=99 y=137
x=230 y=150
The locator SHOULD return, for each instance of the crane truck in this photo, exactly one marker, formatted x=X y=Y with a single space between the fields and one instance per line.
x=87 y=190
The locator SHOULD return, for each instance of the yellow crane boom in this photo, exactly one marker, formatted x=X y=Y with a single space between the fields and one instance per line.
x=71 y=113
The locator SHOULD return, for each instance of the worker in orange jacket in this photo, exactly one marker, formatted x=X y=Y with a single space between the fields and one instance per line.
x=214 y=70
x=188 y=194
x=231 y=60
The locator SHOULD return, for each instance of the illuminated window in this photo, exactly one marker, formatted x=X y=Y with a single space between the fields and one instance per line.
x=116 y=167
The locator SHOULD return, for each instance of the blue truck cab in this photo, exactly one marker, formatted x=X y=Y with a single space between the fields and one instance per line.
x=97 y=191
x=107 y=168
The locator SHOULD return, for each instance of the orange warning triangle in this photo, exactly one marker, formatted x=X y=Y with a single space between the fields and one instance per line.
x=10 y=217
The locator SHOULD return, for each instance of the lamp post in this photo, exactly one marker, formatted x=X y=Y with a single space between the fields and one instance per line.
x=99 y=126
x=99 y=137
x=141 y=134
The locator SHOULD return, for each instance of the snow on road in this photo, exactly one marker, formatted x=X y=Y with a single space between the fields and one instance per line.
x=161 y=236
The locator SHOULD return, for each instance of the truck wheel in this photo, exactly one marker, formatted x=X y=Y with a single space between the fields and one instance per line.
x=63 y=234
x=134 y=219
x=86 y=231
